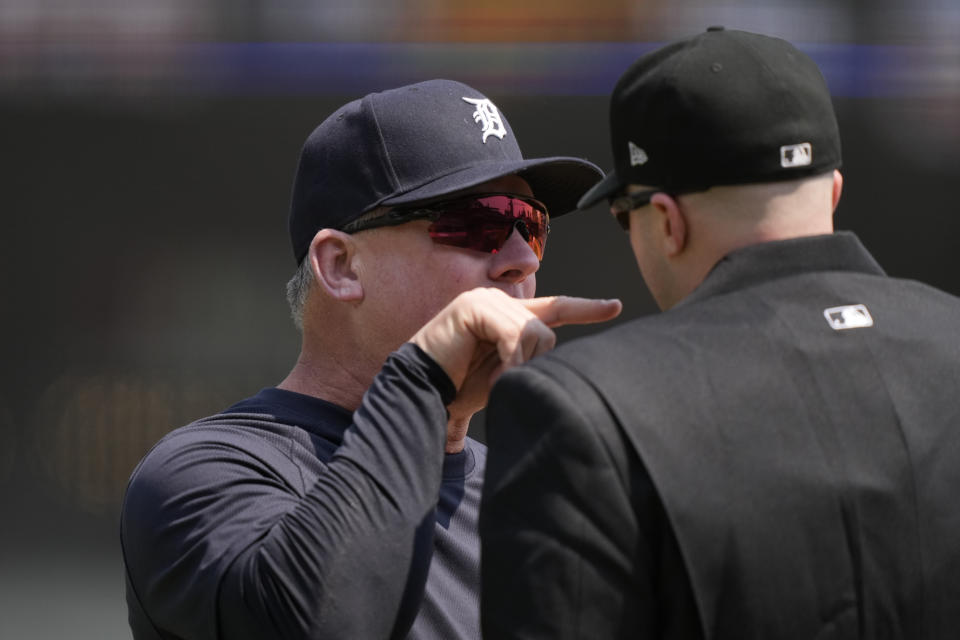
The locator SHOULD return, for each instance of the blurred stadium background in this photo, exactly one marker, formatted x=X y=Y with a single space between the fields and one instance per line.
x=147 y=151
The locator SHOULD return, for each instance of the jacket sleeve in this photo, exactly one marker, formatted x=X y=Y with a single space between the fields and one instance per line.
x=217 y=546
x=566 y=552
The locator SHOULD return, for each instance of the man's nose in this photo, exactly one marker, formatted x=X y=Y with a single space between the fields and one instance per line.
x=516 y=260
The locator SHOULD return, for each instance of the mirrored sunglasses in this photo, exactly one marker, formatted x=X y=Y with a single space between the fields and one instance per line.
x=482 y=222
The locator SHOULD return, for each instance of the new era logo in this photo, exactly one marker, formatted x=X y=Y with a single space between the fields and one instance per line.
x=637 y=155
x=851 y=316
x=796 y=155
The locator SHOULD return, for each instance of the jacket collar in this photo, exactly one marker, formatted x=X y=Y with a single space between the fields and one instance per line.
x=840 y=251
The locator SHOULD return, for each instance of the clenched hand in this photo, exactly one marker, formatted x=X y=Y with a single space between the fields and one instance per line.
x=483 y=332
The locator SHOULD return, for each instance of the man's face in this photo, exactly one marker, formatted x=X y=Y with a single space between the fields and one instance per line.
x=408 y=278
x=645 y=234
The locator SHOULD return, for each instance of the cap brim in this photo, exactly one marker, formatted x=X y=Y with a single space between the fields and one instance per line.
x=557 y=182
x=600 y=191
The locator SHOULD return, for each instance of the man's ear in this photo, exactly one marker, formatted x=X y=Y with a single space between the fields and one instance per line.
x=331 y=256
x=671 y=223
x=837 y=187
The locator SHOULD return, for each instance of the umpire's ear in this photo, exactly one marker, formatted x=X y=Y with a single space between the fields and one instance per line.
x=670 y=223
x=837 y=187
x=331 y=256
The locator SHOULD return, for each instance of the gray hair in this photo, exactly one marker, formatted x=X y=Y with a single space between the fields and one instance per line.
x=299 y=285
x=297 y=290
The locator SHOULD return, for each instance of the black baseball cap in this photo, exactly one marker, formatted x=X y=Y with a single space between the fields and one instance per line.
x=412 y=145
x=723 y=107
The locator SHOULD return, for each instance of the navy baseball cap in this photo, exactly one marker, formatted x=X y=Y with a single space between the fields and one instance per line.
x=723 y=107
x=412 y=145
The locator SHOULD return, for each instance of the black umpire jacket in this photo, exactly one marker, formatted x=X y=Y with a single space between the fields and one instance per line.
x=776 y=457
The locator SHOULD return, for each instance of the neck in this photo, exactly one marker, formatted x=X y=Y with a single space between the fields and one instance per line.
x=328 y=377
x=337 y=379
x=729 y=218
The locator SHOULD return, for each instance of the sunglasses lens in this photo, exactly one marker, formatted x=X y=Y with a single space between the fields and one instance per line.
x=484 y=223
x=621 y=206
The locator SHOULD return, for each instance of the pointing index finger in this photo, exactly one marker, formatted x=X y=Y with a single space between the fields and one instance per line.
x=556 y=311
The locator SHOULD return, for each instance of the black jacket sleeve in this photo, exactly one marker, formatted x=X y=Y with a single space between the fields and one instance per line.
x=219 y=546
x=575 y=543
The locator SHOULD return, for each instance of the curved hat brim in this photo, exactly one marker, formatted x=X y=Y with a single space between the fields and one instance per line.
x=600 y=191
x=558 y=182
